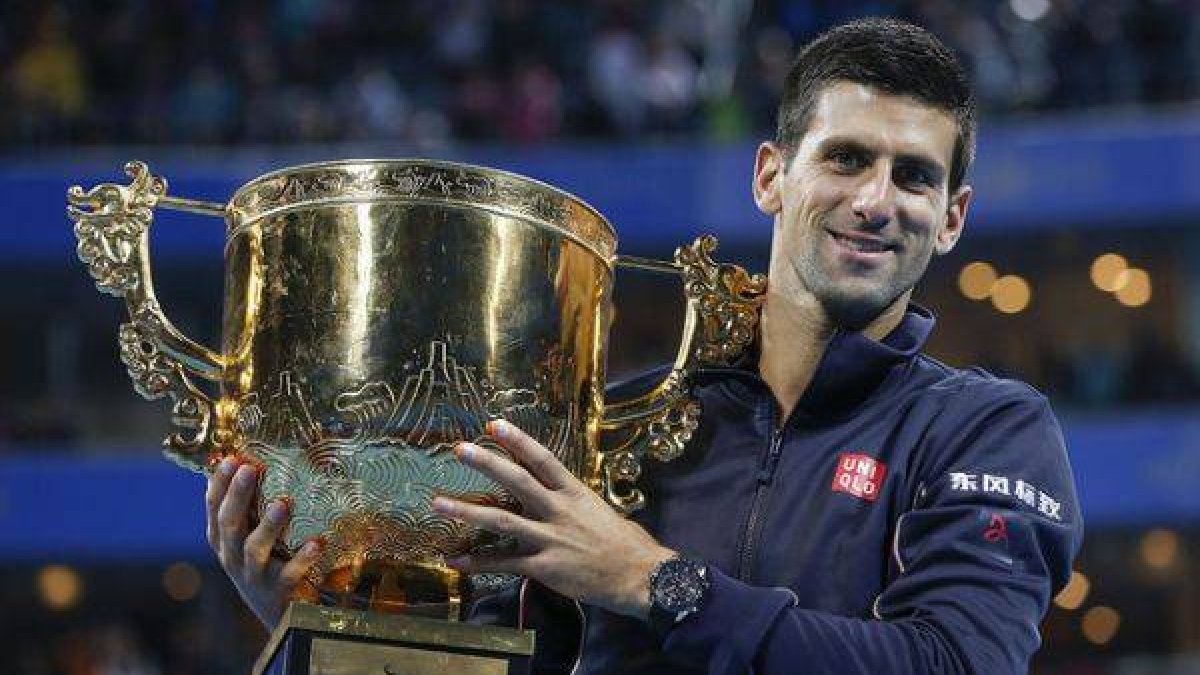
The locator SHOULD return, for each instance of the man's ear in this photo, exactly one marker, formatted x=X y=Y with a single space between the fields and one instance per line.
x=768 y=171
x=956 y=219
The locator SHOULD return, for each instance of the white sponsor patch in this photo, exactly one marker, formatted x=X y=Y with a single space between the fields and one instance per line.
x=1018 y=490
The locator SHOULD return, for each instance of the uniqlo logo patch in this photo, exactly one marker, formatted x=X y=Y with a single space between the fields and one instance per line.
x=859 y=475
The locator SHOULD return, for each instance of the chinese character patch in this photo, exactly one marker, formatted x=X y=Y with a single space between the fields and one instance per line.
x=1016 y=489
x=859 y=475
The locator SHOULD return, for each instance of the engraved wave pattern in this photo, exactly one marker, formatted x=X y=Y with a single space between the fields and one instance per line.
x=374 y=498
x=369 y=495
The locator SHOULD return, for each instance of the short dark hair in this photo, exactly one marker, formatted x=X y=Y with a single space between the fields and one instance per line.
x=896 y=57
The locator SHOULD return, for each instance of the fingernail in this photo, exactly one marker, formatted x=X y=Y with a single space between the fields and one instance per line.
x=276 y=512
x=245 y=474
x=309 y=548
x=442 y=505
x=498 y=428
x=466 y=451
x=458 y=562
x=226 y=467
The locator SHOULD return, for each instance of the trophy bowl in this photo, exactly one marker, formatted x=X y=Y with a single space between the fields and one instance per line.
x=378 y=312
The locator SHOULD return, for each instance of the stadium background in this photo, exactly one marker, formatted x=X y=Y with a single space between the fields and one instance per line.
x=1080 y=270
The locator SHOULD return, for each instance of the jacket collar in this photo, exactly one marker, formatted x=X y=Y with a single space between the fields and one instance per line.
x=851 y=369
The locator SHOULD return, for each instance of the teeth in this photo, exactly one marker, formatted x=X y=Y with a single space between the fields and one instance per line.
x=861 y=245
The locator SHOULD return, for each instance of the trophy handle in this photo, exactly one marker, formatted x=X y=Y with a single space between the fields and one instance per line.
x=112 y=224
x=721 y=320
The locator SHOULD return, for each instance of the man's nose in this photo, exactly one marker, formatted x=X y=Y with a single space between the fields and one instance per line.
x=875 y=197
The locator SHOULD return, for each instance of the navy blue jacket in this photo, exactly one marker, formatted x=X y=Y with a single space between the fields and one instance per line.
x=908 y=517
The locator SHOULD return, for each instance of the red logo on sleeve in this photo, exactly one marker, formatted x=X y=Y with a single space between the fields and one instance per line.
x=997 y=529
x=859 y=475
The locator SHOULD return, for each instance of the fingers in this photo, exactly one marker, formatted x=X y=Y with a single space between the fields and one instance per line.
x=533 y=495
x=532 y=455
x=218 y=484
x=294 y=570
x=492 y=519
x=472 y=564
x=233 y=516
x=257 y=547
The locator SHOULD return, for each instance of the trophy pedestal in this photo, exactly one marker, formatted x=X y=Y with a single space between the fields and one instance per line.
x=318 y=640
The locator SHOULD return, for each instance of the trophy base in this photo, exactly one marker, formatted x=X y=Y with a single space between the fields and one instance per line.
x=317 y=640
x=408 y=589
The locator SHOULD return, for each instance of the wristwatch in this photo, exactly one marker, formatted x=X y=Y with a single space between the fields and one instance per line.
x=678 y=589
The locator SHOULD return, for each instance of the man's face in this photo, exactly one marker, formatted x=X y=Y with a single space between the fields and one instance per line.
x=864 y=201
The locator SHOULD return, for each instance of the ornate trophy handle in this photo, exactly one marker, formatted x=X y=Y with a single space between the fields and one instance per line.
x=112 y=224
x=721 y=321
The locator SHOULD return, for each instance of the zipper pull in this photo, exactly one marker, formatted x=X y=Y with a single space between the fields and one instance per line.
x=766 y=469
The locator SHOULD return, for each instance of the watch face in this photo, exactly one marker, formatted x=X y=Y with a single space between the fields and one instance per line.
x=680 y=585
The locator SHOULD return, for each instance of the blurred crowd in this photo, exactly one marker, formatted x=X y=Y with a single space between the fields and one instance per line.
x=430 y=72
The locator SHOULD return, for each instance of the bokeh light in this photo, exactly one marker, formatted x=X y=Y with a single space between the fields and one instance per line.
x=181 y=581
x=1011 y=294
x=1105 y=270
x=1100 y=624
x=976 y=279
x=1159 y=549
x=1072 y=595
x=1133 y=287
x=59 y=587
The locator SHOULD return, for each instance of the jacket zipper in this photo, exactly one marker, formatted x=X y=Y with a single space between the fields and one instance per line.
x=766 y=472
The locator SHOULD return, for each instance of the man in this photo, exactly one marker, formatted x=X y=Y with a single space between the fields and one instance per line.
x=848 y=504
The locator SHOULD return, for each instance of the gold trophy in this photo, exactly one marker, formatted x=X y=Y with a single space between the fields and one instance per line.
x=377 y=313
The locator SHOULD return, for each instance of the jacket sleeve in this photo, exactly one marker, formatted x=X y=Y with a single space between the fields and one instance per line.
x=990 y=537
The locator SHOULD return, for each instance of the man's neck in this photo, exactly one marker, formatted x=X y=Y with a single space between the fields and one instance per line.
x=795 y=332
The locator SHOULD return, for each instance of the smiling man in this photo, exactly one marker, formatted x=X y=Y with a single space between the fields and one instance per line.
x=848 y=505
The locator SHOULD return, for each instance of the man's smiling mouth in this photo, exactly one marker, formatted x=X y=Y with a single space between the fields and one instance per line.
x=862 y=244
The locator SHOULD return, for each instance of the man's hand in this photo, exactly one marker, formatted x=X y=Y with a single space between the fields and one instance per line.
x=265 y=583
x=567 y=537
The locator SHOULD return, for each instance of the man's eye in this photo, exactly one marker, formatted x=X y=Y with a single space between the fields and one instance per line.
x=911 y=175
x=845 y=160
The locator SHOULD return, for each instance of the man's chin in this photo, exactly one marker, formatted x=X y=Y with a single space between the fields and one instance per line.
x=854 y=312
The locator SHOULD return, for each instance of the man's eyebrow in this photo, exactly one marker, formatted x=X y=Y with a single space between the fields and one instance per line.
x=922 y=161
x=841 y=143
